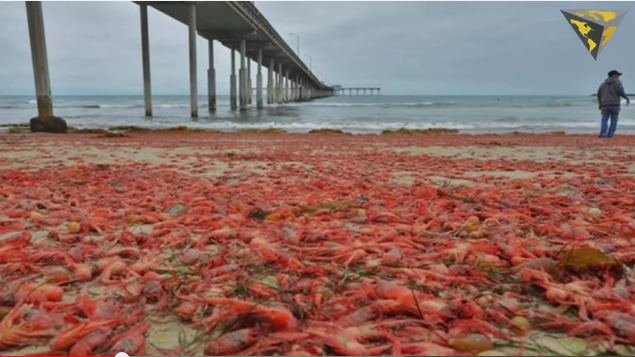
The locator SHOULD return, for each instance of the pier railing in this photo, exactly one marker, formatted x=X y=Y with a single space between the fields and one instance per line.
x=248 y=9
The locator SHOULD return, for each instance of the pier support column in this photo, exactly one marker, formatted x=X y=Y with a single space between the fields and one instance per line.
x=270 y=73
x=274 y=87
x=259 y=81
x=249 y=85
x=242 y=77
x=232 y=82
x=301 y=90
x=279 y=87
x=45 y=121
x=280 y=92
x=286 y=87
x=211 y=79
x=283 y=88
x=274 y=93
x=193 y=83
x=291 y=88
x=145 y=55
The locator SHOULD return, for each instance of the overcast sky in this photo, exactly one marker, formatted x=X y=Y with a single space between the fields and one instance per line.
x=402 y=47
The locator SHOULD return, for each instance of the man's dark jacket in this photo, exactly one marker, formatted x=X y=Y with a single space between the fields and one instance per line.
x=610 y=92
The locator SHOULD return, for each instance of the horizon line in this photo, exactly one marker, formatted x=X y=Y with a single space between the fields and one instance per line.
x=343 y=95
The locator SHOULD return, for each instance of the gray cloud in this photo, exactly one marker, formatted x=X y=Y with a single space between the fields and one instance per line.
x=402 y=47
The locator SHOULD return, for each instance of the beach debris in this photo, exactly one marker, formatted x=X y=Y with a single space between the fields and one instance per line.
x=328 y=132
x=263 y=131
x=596 y=212
x=136 y=129
x=177 y=210
x=588 y=260
x=472 y=343
x=17 y=130
x=326 y=207
x=258 y=214
x=331 y=257
x=404 y=131
x=564 y=346
x=111 y=134
x=492 y=353
x=522 y=324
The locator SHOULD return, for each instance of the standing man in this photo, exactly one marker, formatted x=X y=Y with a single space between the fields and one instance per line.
x=609 y=95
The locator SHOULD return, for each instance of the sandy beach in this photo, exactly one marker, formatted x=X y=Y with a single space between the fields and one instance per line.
x=500 y=195
x=452 y=159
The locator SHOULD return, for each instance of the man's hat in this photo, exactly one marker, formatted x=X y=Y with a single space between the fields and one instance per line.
x=614 y=72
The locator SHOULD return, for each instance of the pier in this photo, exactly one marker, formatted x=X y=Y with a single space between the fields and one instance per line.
x=342 y=91
x=238 y=25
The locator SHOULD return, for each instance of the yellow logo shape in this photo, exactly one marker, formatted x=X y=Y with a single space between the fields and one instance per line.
x=594 y=27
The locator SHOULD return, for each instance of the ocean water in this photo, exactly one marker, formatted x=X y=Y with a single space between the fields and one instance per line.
x=356 y=114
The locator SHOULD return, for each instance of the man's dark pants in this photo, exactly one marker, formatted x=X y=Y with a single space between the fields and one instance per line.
x=611 y=112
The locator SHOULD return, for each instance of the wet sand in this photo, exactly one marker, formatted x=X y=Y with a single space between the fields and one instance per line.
x=488 y=162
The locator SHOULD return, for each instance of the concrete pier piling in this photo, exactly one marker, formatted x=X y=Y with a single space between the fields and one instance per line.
x=279 y=86
x=232 y=82
x=292 y=90
x=286 y=87
x=45 y=121
x=145 y=54
x=192 y=45
x=242 y=74
x=300 y=90
x=259 y=81
x=342 y=91
x=270 y=72
x=249 y=85
x=211 y=78
x=274 y=85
